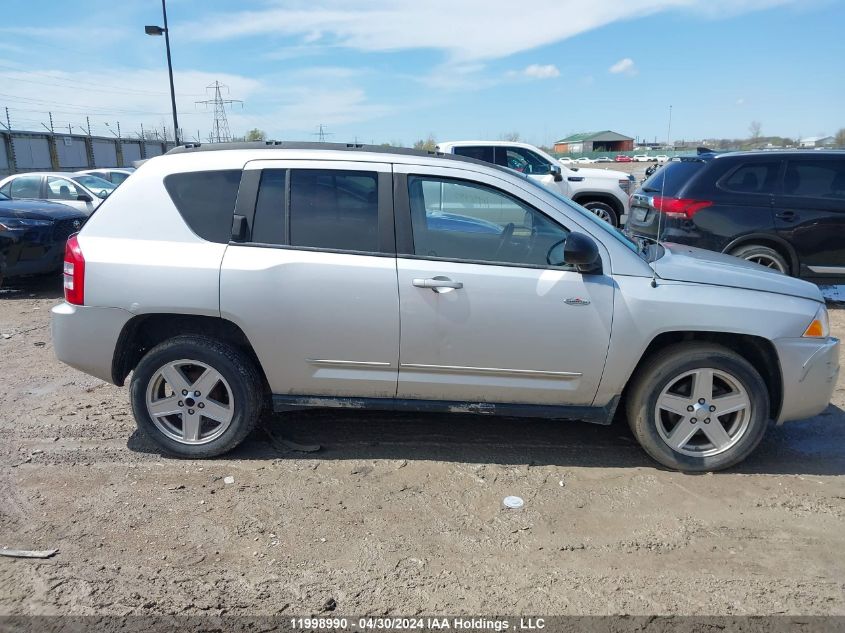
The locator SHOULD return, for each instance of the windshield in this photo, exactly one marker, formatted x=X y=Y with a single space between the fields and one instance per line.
x=100 y=186
x=94 y=183
x=592 y=218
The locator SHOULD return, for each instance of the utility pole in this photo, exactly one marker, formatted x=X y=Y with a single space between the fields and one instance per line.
x=158 y=30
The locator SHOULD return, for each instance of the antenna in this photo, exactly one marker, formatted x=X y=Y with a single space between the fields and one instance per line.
x=220 y=132
x=660 y=212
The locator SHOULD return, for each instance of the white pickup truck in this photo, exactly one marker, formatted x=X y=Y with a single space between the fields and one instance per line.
x=605 y=192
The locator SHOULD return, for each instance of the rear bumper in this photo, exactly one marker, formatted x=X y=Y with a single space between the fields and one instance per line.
x=84 y=337
x=810 y=368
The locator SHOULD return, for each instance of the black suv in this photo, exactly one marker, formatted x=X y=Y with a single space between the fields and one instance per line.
x=782 y=209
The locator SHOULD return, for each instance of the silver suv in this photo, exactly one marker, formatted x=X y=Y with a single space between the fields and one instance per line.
x=229 y=278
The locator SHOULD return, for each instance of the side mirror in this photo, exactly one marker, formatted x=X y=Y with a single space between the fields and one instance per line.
x=555 y=171
x=577 y=250
x=84 y=197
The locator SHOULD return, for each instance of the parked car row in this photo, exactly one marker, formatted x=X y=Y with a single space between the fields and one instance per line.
x=782 y=209
x=619 y=158
x=346 y=276
x=39 y=210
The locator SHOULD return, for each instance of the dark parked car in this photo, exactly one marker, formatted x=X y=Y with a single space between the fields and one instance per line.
x=33 y=235
x=782 y=209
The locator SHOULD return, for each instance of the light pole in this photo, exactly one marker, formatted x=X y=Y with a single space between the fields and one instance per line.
x=159 y=30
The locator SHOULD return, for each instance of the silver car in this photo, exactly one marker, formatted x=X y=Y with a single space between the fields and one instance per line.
x=231 y=277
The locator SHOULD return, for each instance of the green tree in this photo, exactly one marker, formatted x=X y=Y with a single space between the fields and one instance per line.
x=256 y=135
x=427 y=145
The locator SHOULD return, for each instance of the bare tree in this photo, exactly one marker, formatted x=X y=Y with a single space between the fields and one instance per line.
x=840 y=138
x=755 y=128
x=511 y=137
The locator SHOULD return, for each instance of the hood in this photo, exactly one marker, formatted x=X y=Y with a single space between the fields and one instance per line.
x=686 y=263
x=601 y=173
x=38 y=210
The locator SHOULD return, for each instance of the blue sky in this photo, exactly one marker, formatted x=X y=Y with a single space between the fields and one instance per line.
x=393 y=70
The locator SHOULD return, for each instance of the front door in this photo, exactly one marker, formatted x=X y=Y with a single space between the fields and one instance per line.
x=810 y=214
x=313 y=285
x=68 y=192
x=484 y=317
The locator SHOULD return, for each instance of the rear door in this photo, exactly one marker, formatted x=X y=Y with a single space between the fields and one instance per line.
x=810 y=214
x=312 y=279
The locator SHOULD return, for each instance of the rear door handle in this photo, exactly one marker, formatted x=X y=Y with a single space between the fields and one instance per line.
x=438 y=284
x=787 y=216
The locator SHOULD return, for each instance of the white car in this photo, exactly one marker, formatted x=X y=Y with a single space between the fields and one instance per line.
x=80 y=191
x=583 y=160
x=661 y=158
x=115 y=175
x=640 y=158
x=565 y=160
x=605 y=192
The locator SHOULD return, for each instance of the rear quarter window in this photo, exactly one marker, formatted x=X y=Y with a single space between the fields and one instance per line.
x=672 y=177
x=206 y=201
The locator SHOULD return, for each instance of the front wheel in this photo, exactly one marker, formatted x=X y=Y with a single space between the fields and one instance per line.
x=604 y=212
x=698 y=407
x=196 y=397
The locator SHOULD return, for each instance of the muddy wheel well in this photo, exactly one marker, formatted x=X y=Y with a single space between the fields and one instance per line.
x=756 y=350
x=144 y=332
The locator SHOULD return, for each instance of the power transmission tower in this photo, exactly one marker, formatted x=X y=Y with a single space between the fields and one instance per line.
x=220 y=132
x=321 y=133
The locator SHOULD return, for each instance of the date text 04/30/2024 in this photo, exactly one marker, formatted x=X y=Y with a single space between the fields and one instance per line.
x=417 y=623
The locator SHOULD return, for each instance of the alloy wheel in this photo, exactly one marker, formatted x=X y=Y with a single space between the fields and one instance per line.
x=703 y=412
x=190 y=402
x=766 y=260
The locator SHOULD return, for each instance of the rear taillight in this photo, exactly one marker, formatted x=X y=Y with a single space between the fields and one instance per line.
x=679 y=207
x=74 y=272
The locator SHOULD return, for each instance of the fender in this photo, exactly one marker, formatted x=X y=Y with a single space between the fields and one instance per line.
x=794 y=264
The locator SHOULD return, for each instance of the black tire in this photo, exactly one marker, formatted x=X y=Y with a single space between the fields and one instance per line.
x=236 y=368
x=664 y=367
x=763 y=255
x=599 y=208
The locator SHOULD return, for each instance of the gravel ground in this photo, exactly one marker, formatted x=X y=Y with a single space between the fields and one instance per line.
x=396 y=514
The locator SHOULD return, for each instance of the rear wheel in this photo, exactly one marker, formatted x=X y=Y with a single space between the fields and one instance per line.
x=763 y=255
x=196 y=397
x=604 y=211
x=698 y=407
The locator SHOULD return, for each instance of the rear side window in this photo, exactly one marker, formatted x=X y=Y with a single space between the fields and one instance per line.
x=26 y=187
x=815 y=179
x=755 y=177
x=480 y=153
x=334 y=209
x=206 y=201
x=671 y=178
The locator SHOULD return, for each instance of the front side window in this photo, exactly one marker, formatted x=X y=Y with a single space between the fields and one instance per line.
x=26 y=187
x=756 y=177
x=62 y=189
x=815 y=179
x=459 y=220
x=522 y=160
x=117 y=177
x=334 y=209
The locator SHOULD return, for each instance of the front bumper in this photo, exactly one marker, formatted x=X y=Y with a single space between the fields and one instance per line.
x=810 y=368
x=85 y=337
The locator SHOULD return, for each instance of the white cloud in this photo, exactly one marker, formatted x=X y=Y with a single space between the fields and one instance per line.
x=624 y=66
x=540 y=71
x=740 y=101
x=465 y=30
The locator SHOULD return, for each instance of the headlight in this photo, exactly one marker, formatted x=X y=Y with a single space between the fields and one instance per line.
x=8 y=224
x=820 y=326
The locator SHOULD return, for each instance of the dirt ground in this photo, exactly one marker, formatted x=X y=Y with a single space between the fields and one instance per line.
x=396 y=514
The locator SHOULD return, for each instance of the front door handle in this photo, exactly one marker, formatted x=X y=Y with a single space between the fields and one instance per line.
x=438 y=284
x=787 y=216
